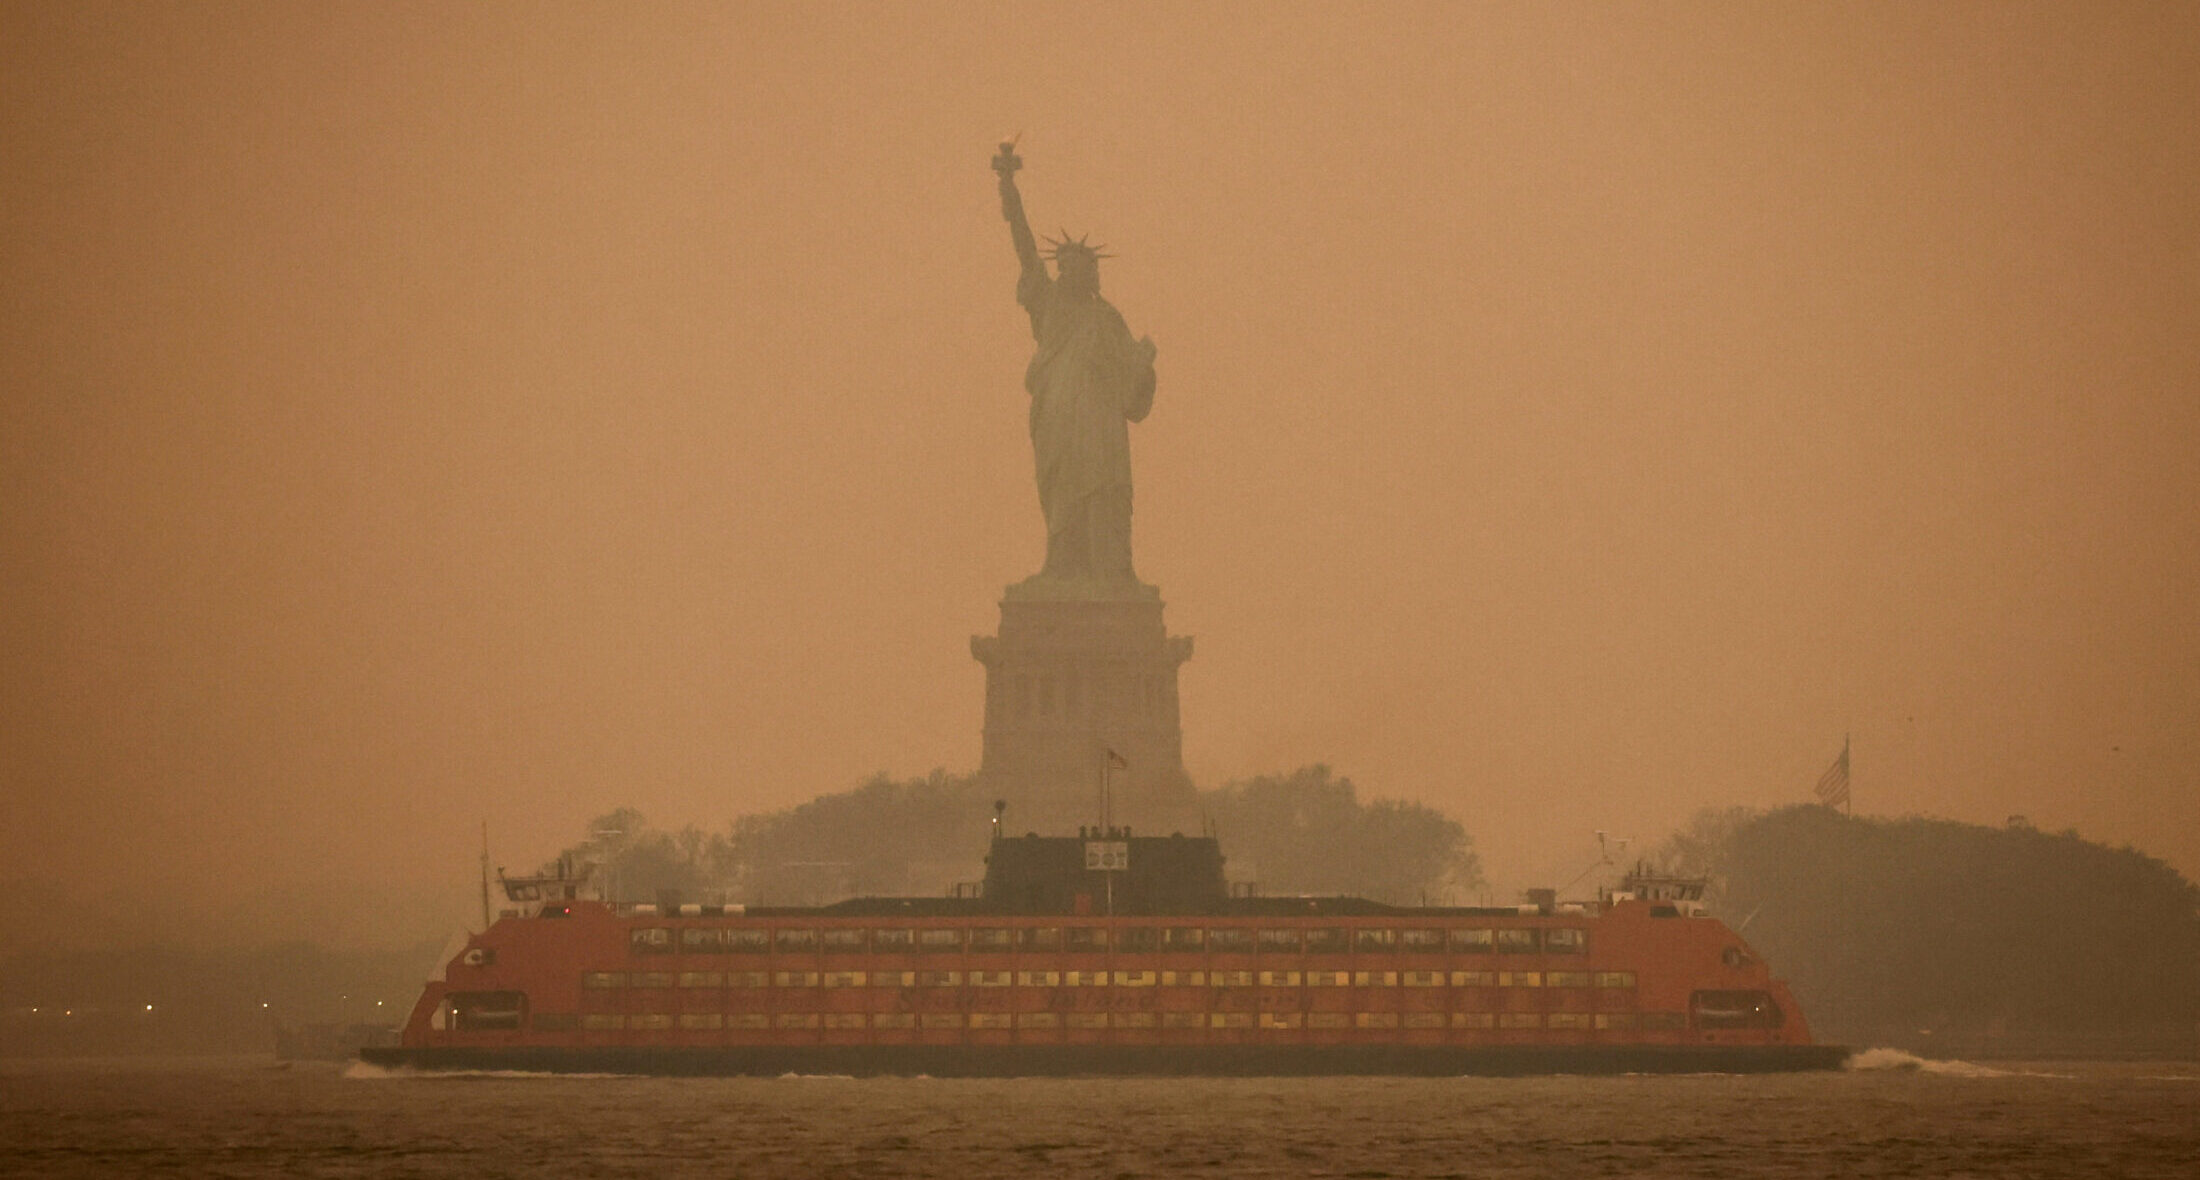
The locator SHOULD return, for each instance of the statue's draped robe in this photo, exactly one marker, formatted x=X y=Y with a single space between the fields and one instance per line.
x=1088 y=380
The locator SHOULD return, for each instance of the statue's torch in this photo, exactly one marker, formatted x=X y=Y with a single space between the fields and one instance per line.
x=1007 y=161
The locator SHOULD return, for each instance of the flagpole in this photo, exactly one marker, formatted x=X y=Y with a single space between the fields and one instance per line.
x=1848 y=800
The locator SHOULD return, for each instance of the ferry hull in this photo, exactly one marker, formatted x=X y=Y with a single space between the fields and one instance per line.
x=1009 y=1061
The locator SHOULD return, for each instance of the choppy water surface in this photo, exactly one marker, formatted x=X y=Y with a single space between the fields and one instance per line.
x=1895 y=1116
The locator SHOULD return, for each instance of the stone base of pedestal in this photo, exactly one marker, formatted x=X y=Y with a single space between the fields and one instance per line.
x=1071 y=676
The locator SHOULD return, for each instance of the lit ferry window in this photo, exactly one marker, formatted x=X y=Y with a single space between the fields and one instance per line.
x=1566 y=941
x=992 y=940
x=1519 y=941
x=1471 y=942
x=1281 y=942
x=796 y=942
x=1183 y=938
x=699 y=940
x=893 y=942
x=844 y=942
x=1230 y=940
x=939 y=941
x=1039 y=938
x=1374 y=940
x=1326 y=941
x=1138 y=939
x=1421 y=942
x=1615 y=979
x=1084 y=939
x=650 y=940
x=747 y=941
x=1567 y=979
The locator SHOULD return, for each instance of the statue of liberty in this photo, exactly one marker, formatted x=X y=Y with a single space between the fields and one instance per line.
x=1088 y=380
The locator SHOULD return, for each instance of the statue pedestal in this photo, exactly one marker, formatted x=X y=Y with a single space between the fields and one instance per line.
x=1078 y=670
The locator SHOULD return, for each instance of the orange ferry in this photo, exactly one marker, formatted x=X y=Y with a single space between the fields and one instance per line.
x=1107 y=953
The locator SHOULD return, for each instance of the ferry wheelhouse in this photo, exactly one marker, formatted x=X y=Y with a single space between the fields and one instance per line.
x=1108 y=953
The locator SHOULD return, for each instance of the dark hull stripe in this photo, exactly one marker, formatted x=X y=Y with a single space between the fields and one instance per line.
x=992 y=1061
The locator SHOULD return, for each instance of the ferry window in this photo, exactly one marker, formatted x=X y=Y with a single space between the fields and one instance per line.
x=893 y=941
x=795 y=942
x=1134 y=1020
x=1184 y=979
x=603 y=979
x=989 y=1020
x=990 y=978
x=1424 y=1020
x=1474 y=979
x=650 y=1020
x=1281 y=942
x=475 y=1011
x=1084 y=939
x=1734 y=1009
x=1329 y=1020
x=650 y=979
x=1519 y=1020
x=844 y=979
x=1231 y=1020
x=599 y=1021
x=1039 y=978
x=1281 y=1019
x=702 y=979
x=1183 y=938
x=1520 y=941
x=1325 y=941
x=794 y=979
x=1374 y=979
x=1566 y=940
x=1421 y=942
x=1279 y=979
x=843 y=942
x=1470 y=942
x=1567 y=979
x=702 y=1020
x=844 y=1020
x=1183 y=1019
x=939 y=941
x=1473 y=1020
x=1038 y=1020
x=746 y=940
x=555 y=1021
x=650 y=940
x=1569 y=1020
x=1615 y=1020
x=1328 y=978
x=1230 y=978
x=1088 y=1020
x=939 y=1020
x=1138 y=938
x=1520 y=979
x=939 y=979
x=746 y=979
x=894 y=1020
x=699 y=940
x=1374 y=940
x=1038 y=938
x=893 y=979
x=1230 y=940
x=1424 y=979
x=1375 y=1019
x=797 y=1020
x=990 y=939
x=1084 y=979
x=1615 y=979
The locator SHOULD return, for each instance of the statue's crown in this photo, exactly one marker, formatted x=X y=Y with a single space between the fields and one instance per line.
x=1066 y=248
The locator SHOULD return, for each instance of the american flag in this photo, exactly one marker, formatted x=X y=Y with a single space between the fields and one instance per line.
x=1833 y=786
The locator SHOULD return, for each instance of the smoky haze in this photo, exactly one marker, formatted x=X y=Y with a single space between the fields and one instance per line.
x=1570 y=416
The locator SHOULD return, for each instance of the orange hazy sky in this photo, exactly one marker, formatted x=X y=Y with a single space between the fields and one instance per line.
x=1570 y=416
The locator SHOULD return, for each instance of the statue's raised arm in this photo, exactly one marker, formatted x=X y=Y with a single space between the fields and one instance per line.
x=1005 y=165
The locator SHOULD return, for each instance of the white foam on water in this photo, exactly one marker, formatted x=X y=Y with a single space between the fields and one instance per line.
x=1871 y=1060
x=366 y=1071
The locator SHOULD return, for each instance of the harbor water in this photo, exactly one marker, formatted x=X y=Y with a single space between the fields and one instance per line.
x=1890 y=1114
